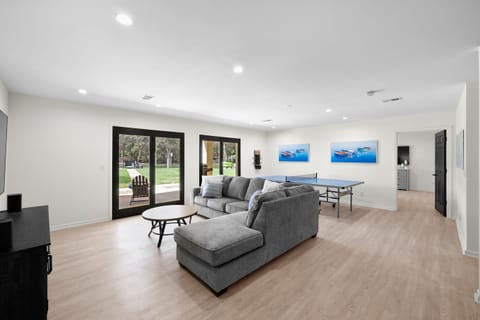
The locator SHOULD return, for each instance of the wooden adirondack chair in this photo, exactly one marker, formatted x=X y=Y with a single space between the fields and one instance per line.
x=140 y=189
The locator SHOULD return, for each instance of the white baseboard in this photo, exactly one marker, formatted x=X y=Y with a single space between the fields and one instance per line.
x=477 y=296
x=78 y=223
x=470 y=253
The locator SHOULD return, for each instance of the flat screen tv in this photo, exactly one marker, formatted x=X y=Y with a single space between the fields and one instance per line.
x=3 y=149
x=403 y=154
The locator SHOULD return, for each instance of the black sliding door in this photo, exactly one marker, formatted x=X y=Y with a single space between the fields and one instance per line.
x=219 y=156
x=148 y=170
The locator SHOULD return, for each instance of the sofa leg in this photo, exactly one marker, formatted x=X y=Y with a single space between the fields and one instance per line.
x=219 y=293
x=314 y=236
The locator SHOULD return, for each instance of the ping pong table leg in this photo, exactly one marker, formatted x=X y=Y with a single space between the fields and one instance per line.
x=351 y=194
x=338 y=203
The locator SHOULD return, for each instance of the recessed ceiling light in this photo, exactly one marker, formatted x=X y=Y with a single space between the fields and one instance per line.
x=251 y=123
x=328 y=110
x=82 y=91
x=147 y=97
x=124 y=19
x=158 y=105
x=345 y=118
x=273 y=127
x=238 y=69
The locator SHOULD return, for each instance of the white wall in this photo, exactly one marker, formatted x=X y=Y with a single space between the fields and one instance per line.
x=460 y=184
x=471 y=168
x=422 y=159
x=4 y=108
x=60 y=154
x=467 y=180
x=477 y=294
x=380 y=188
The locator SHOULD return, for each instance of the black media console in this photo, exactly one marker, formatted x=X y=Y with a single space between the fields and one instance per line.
x=25 y=266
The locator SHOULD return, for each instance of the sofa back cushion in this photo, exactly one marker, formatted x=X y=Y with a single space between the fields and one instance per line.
x=255 y=184
x=258 y=200
x=237 y=188
x=226 y=184
x=292 y=191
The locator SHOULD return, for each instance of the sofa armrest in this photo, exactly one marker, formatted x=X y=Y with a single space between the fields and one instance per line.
x=287 y=221
x=195 y=192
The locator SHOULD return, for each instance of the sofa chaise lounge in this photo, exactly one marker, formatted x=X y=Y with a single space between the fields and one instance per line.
x=223 y=250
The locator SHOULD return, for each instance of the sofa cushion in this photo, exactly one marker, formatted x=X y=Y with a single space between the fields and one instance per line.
x=238 y=206
x=220 y=203
x=254 y=185
x=271 y=186
x=259 y=200
x=200 y=200
x=291 y=191
x=226 y=184
x=212 y=190
x=237 y=188
x=219 y=240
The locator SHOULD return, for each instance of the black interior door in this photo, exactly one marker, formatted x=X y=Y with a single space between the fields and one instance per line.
x=441 y=172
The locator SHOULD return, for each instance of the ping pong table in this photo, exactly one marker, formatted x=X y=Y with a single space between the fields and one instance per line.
x=335 y=189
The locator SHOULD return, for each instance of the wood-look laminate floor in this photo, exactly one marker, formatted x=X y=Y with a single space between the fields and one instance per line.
x=370 y=264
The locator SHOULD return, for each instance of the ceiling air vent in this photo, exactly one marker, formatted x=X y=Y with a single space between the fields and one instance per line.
x=371 y=93
x=267 y=120
x=392 y=100
x=147 y=97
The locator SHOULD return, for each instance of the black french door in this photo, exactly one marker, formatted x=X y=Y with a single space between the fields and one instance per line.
x=441 y=172
x=147 y=170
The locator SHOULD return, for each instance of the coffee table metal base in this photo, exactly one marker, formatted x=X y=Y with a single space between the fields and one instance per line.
x=161 y=228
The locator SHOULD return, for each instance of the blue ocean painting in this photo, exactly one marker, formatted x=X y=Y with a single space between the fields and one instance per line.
x=359 y=151
x=293 y=152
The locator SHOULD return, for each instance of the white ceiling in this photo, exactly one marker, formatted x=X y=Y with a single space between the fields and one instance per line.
x=311 y=55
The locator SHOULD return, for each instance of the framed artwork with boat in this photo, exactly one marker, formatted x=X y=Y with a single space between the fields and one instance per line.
x=294 y=152
x=357 y=151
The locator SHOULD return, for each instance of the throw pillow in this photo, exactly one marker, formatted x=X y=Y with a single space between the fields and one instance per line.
x=258 y=201
x=252 y=200
x=215 y=179
x=271 y=186
x=212 y=190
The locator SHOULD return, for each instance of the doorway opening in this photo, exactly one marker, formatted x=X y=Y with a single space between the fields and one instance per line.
x=422 y=166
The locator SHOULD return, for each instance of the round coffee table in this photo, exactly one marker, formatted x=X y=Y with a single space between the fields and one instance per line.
x=161 y=216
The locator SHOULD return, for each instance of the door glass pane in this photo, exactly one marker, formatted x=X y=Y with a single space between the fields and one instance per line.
x=167 y=169
x=210 y=158
x=230 y=158
x=134 y=173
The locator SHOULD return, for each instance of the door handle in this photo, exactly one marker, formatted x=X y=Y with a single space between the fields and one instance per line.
x=434 y=174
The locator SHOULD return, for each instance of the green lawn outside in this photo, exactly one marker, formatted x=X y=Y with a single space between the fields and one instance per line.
x=163 y=175
x=226 y=171
x=124 y=178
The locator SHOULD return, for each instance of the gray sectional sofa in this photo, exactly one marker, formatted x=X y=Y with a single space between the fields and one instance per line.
x=235 y=196
x=223 y=250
